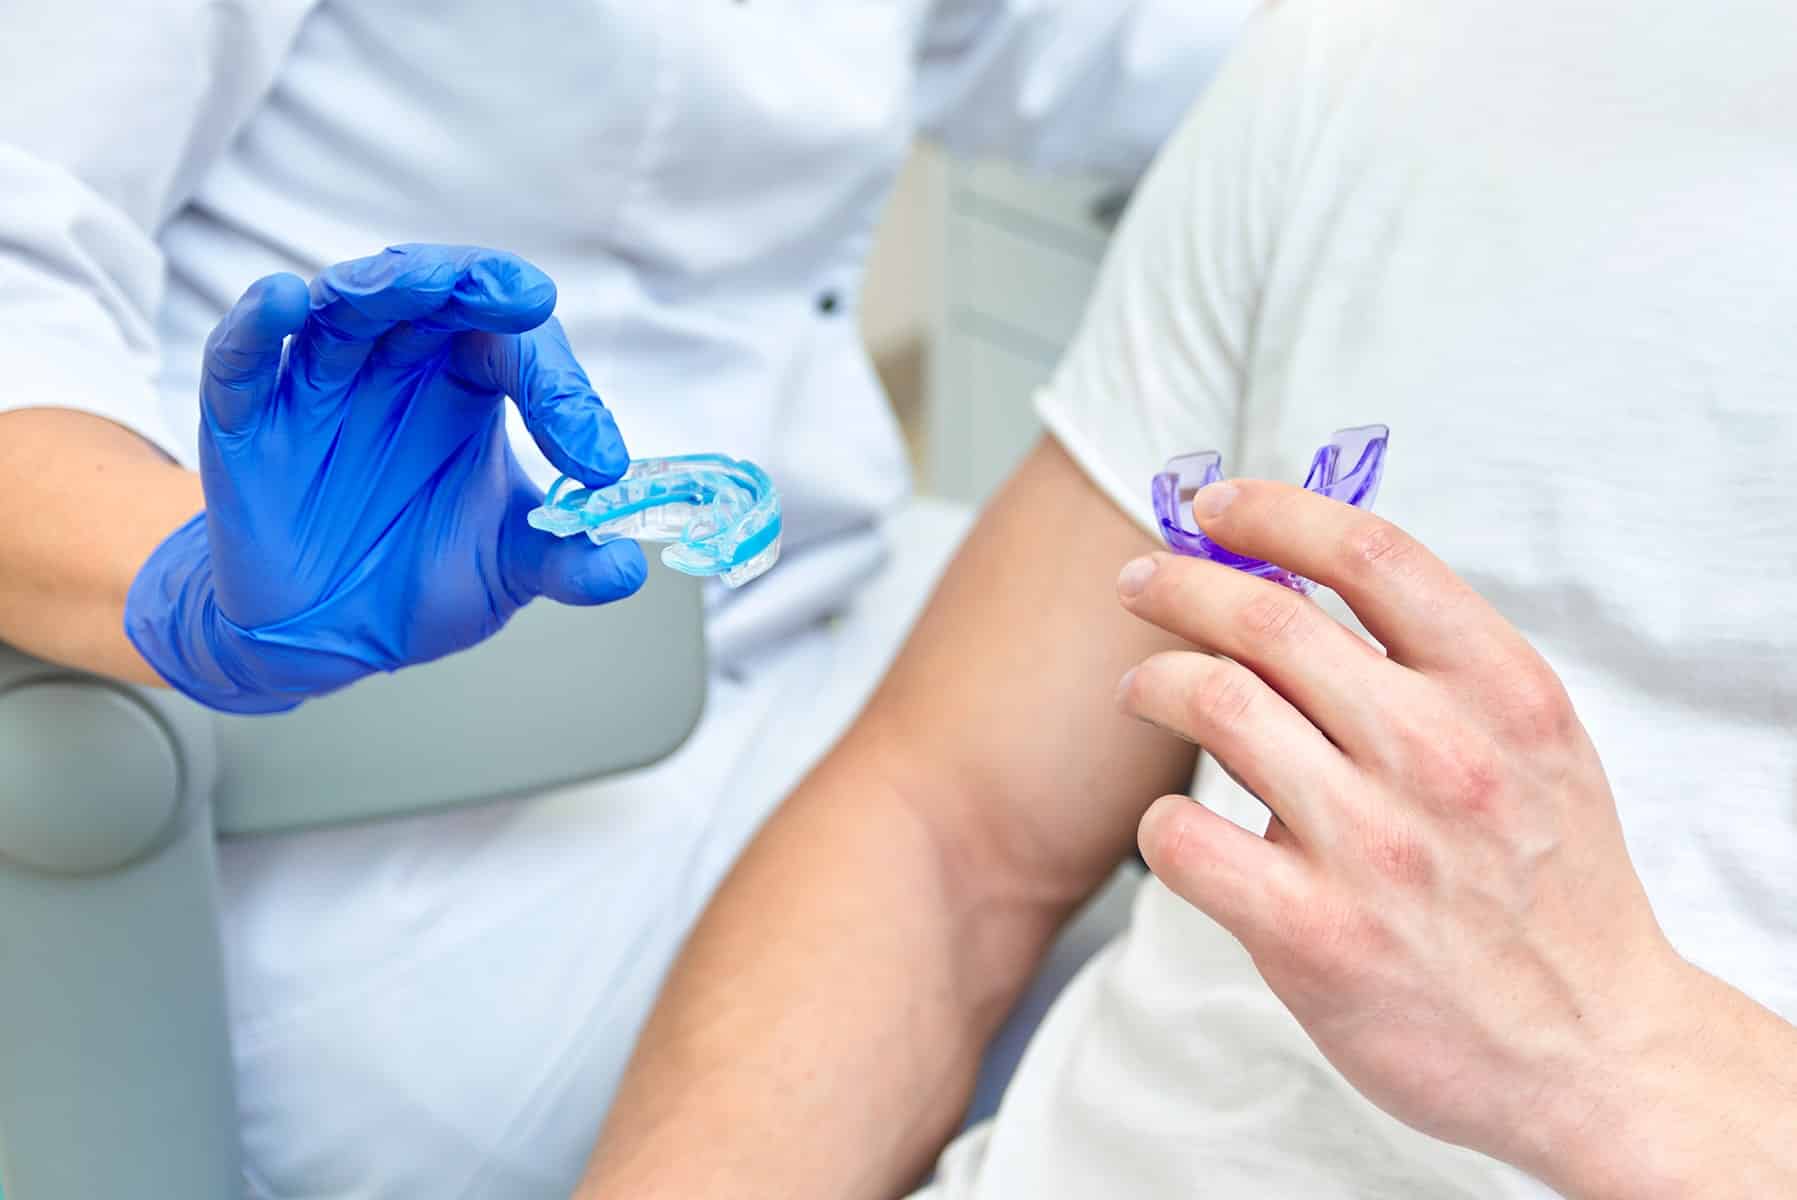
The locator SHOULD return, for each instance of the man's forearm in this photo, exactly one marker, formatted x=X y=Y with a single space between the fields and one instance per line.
x=824 y=1025
x=821 y=1034
x=83 y=502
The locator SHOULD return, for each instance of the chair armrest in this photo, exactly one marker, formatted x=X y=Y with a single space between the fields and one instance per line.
x=558 y=696
x=112 y=1010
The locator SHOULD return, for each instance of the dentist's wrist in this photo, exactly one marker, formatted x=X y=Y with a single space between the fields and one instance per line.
x=172 y=618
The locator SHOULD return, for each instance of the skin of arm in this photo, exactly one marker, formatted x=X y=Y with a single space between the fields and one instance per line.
x=83 y=502
x=821 y=1033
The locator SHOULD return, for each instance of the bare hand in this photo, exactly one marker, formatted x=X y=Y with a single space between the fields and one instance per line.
x=1443 y=897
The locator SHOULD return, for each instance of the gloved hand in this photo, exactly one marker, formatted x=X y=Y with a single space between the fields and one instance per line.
x=363 y=509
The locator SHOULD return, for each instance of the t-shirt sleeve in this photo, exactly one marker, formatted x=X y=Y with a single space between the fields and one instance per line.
x=108 y=116
x=1159 y=366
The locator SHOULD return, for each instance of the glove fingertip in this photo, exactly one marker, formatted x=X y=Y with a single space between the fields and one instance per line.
x=283 y=300
x=574 y=571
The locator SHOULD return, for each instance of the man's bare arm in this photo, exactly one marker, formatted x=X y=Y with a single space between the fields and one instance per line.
x=821 y=1033
x=83 y=502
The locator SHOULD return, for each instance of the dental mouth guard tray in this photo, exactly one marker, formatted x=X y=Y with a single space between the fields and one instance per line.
x=719 y=516
x=1347 y=469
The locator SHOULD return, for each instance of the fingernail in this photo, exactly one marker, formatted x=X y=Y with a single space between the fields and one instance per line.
x=1123 y=685
x=1135 y=576
x=1211 y=501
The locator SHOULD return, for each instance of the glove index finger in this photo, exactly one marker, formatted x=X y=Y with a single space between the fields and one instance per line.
x=452 y=288
x=433 y=290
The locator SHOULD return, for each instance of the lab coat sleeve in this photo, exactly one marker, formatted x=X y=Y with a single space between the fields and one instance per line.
x=1164 y=360
x=1069 y=84
x=109 y=115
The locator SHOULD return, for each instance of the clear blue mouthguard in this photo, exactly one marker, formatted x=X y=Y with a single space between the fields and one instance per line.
x=720 y=516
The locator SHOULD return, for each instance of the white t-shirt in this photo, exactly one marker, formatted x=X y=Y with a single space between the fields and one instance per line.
x=1552 y=245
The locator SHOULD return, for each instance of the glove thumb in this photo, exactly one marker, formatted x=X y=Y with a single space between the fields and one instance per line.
x=570 y=570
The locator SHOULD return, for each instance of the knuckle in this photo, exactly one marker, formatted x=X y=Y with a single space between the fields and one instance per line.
x=1376 y=547
x=1542 y=725
x=1395 y=854
x=1273 y=615
x=1468 y=778
x=1365 y=935
x=1410 y=739
x=1221 y=697
x=1444 y=759
x=1538 y=709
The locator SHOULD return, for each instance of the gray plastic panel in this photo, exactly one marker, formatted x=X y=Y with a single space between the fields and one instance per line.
x=116 y=1076
x=560 y=695
x=69 y=811
x=117 y=1070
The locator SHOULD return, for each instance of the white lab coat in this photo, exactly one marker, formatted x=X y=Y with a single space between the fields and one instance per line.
x=429 y=1009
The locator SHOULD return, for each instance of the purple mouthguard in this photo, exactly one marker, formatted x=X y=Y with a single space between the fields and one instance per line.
x=1347 y=469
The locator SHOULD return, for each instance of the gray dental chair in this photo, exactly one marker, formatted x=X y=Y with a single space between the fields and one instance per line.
x=115 y=1065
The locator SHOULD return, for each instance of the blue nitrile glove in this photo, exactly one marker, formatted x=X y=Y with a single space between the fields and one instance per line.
x=363 y=509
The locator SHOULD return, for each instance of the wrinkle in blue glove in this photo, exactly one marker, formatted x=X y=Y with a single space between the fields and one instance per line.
x=364 y=511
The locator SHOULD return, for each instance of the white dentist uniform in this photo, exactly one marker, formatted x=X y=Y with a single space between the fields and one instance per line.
x=440 y=1007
